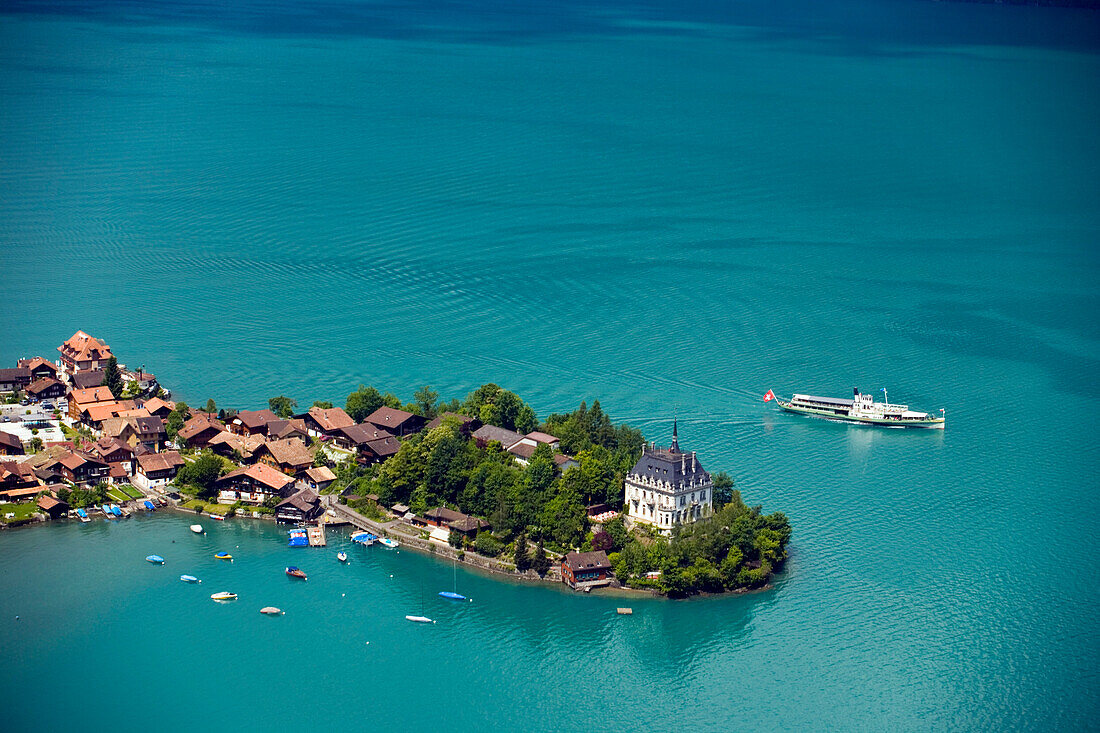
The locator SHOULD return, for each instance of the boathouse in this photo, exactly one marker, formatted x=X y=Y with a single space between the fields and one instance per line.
x=304 y=506
x=584 y=570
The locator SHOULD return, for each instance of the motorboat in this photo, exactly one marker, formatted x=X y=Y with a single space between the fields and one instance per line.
x=83 y=515
x=419 y=619
x=224 y=596
x=197 y=529
x=389 y=543
x=222 y=556
x=295 y=573
x=116 y=510
x=189 y=579
x=342 y=556
x=218 y=517
x=271 y=611
x=155 y=559
x=107 y=512
x=364 y=538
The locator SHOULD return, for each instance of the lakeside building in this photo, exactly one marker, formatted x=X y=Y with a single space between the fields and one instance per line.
x=586 y=570
x=83 y=353
x=324 y=422
x=396 y=422
x=15 y=380
x=46 y=388
x=668 y=487
x=254 y=485
x=303 y=506
x=316 y=478
x=252 y=422
x=40 y=367
x=289 y=456
x=199 y=430
x=87 y=380
x=156 y=470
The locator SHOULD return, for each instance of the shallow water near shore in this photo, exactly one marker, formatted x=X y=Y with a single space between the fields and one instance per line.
x=670 y=207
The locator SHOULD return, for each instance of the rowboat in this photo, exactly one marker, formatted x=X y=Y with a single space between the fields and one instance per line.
x=155 y=559
x=389 y=543
x=222 y=556
x=295 y=573
x=271 y=611
x=419 y=619
x=342 y=556
x=218 y=517
x=197 y=528
x=189 y=579
x=224 y=596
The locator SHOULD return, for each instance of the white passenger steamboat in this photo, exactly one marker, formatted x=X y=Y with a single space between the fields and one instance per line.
x=861 y=409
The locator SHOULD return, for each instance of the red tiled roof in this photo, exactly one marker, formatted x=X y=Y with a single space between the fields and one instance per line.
x=82 y=347
x=331 y=418
x=262 y=473
x=388 y=417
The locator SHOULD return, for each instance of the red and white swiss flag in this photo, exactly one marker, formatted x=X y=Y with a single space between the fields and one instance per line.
x=769 y=396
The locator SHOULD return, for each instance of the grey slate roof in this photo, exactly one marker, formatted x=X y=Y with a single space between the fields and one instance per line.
x=673 y=466
x=506 y=438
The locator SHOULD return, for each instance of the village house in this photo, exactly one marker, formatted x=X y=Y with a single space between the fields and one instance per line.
x=585 y=570
x=81 y=399
x=40 y=368
x=491 y=433
x=10 y=445
x=53 y=507
x=119 y=427
x=156 y=470
x=145 y=382
x=322 y=421
x=254 y=485
x=466 y=425
x=46 y=388
x=668 y=487
x=284 y=429
x=14 y=380
x=303 y=506
x=464 y=524
x=523 y=451
x=289 y=456
x=198 y=431
x=87 y=380
x=316 y=478
x=353 y=437
x=377 y=451
x=252 y=422
x=159 y=408
x=115 y=452
x=82 y=468
x=396 y=422
x=82 y=353
x=19 y=478
x=149 y=431
x=93 y=415
x=241 y=448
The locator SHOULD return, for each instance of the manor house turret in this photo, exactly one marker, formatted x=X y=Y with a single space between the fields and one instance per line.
x=667 y=487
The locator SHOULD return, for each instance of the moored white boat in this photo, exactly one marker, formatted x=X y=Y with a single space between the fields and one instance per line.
x=342 y=556
x=155 y=559
x=197 y=529
x=224 y=596
x=419 y=619
x=387 y=542
x=271 y=611
x=189 y=579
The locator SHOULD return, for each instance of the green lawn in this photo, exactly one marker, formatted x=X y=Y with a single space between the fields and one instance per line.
x=129 y=491
x=220 y=509
x=193 y=504
x=115 y=495
x=22 y=511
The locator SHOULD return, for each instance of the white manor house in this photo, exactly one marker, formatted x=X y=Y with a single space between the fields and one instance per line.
x=668 y=487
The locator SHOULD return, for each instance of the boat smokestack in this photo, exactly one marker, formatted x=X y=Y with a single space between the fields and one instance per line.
x=855 y=391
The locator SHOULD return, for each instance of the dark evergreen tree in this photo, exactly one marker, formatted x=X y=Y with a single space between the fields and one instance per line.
x=541 y=563
x=112 y=378
x=522 y=558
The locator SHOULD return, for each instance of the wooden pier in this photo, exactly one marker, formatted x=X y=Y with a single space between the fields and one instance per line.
x=316 y=536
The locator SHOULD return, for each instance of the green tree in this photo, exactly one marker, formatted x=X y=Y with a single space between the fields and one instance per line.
x=487 y=545
x=540 y=563
x=282 y=406
x=454 y=539
x=425 y=398
x=36 y=445
x=323 y=404
x=201 y=473
x=723 y=488
x=521 y=557
x=112 y=378
x=176 y=419
x=362 y=402
x=211 y=408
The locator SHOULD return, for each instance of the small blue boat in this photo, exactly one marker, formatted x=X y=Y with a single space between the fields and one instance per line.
x=452 y=595
x=83 y=515
x=364 y=538
x=107 y=512
x=115 y=510
x=189 y=579
x=149 y=506
x=155 y=559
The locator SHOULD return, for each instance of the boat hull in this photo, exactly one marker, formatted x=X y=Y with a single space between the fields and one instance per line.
x=933 y=423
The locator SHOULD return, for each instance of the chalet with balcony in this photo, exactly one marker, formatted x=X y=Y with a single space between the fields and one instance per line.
x=14 y=380
x=355 y=437
x=289 y=456
x=156 y=470
x=303 y=506
x=52 y=506
x=464 y=524
x=87 y=380
x=241 y=448
x=40 y=368
x=46 y=388
x=316 y=478
x=254 y=485
x=159 y=408
x=10 y=445
x=286 y=429
x=82 y=468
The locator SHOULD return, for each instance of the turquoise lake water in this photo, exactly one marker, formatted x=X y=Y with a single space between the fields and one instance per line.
x=669 y=207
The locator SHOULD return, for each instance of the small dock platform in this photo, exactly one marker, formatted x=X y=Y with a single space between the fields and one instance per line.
x=316 y=536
